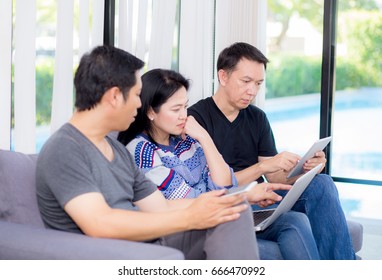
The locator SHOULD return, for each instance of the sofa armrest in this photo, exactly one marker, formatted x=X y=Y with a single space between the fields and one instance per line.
x=356 y=233
x=19 y=241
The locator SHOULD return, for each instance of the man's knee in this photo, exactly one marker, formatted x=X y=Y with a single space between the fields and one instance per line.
x=321 y=186
x=295 y=220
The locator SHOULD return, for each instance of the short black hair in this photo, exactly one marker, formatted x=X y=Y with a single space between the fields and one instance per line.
x=230 y=56
x=101 y=69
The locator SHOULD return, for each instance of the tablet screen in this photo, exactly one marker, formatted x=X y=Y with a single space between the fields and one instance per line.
x=319 y=145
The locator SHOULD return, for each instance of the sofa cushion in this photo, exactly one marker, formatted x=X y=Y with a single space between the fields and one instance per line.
x=24 y=242
x=18 y=201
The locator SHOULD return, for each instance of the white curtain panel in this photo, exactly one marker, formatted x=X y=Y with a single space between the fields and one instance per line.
x=63 y=92
x=125 y=25
x=84 y=27
x=141 y=41
x=145 y=28
x=244 y=21
x=132 y=27
x=97 y=22
x=5 y=73
x=62 y=100
x=196 y=61
x=25 y=77
x=261 y=43
x=162 y=34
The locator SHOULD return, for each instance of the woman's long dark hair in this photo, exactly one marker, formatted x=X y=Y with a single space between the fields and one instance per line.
x=158 y=85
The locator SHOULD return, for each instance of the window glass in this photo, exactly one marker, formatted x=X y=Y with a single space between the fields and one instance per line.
x=294 y=47
x=293 y=82
x=357 y=128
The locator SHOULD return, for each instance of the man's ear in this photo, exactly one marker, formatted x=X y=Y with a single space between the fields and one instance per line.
x=112 y=96
x=222 y=76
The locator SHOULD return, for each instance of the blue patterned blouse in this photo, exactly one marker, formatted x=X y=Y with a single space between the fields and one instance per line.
x=179 y=170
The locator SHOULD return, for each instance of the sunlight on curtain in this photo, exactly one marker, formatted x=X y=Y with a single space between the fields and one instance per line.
x=196 y=61
x=25 y=77
x=125 y=25
x=5 y=73
x=84 y=29
x=162 y=34
x=146 y=30
x=132 y=27
x=140 y=47
x=261 y=42
x=62 y=102
x=97 y=23
x=240 y=21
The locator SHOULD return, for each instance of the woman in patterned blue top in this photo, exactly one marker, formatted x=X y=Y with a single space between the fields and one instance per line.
x=173 y=150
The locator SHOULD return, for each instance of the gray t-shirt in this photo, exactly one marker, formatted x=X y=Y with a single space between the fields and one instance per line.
x=70 y=165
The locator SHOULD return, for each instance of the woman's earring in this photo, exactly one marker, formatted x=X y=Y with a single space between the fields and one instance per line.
x=151 y=118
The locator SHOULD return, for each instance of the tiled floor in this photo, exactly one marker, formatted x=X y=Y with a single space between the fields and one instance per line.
x=363 y=203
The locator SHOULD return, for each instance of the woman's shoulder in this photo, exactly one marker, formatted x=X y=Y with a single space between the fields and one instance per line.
x=141 y=143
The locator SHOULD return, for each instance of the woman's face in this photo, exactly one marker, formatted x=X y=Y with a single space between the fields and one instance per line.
x=171 y=118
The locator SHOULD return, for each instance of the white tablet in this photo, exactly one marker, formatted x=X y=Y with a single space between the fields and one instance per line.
x=319 y=145
x=246 y=188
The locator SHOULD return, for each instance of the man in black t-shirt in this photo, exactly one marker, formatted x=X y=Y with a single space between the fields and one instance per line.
x=243 y=136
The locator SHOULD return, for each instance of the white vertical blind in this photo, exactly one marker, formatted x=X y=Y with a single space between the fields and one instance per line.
x=240 y=21
x=62 y=101
x=140 y=48
x=25 y=77
x=196 y=60
x=132 y=26
x=83 y=27
x=5 y=73
x=97 y=23
x=261 y=43
x=125 y=25
x=235 y=21
x=162 y=34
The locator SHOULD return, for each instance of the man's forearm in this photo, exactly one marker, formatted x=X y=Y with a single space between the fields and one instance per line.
x=249 y=174
x=141 y=226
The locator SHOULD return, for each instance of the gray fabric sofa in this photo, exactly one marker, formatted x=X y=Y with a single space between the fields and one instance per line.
x=23 y=235
x=22 y=232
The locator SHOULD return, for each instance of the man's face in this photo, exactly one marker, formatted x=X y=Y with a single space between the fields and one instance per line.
x=132 y=103
x=243 y=83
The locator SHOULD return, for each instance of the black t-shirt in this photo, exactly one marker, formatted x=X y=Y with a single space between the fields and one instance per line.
x=240 y=142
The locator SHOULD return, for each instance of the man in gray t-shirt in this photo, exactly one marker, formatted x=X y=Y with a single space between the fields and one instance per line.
x=81 y=168
x=88 y=183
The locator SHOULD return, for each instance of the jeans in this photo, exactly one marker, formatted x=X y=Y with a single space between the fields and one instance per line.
x=293 y=234
x=320 y=202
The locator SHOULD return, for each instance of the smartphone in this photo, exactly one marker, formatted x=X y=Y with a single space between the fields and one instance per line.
x=242 y=189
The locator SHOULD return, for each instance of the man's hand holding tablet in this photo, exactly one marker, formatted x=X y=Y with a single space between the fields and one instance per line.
x=317 y=146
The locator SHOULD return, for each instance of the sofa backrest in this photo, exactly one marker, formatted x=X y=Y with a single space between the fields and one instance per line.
x=18 y=200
